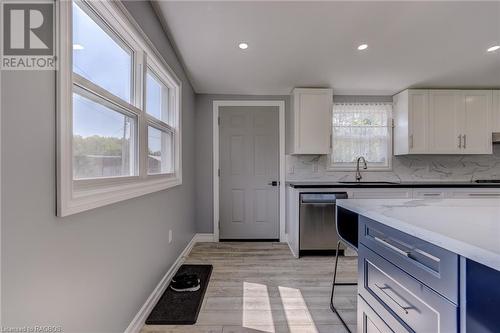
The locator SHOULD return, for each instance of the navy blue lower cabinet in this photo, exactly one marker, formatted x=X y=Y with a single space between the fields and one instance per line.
x=370 y=319
x=433 y=265
x=414 y=305
x=483 y=298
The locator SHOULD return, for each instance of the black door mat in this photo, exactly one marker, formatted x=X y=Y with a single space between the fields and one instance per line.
x=181 y=308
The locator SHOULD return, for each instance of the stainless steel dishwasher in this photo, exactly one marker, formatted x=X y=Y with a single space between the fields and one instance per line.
x=317 y=222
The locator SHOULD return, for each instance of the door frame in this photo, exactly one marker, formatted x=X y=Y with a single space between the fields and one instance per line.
x=282 y=167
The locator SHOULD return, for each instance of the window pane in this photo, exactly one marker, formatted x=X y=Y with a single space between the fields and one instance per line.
x=160 y=151
x=99 y=58
x=351 y=142
x=362 y=115
x=157 y=99
x=361 y=130
x=103 y=140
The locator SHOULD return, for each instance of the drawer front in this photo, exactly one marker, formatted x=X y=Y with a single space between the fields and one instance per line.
x=475 y=193
x=370 y=319
x=428 y=194
x=419 y=307
x=434 y=266
x=386 y=193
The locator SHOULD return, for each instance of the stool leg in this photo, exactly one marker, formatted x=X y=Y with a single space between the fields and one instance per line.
x=334 y=283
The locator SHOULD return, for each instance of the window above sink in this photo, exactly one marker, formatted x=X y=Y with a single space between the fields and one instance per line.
x=361 y=129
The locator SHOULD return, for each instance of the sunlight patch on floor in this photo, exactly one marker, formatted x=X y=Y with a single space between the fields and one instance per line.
x=290 y=298
x=261 y=320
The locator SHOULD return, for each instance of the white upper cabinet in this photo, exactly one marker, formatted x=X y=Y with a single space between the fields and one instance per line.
x=443 y=122
x=310 y=122
x=496 y=111
x=411 y=114
x=477 y=129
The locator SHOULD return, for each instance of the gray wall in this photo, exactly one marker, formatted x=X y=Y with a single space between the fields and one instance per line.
x=204 y=160
x=90 y=272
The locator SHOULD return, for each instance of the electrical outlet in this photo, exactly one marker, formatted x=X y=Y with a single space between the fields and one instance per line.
x=291 y=169
x=170 y=236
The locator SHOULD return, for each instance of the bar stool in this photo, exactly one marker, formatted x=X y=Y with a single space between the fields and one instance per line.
x=347 y=230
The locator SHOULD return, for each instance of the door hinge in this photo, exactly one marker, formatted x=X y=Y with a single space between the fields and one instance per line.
x=218 y=121
x=218 y=172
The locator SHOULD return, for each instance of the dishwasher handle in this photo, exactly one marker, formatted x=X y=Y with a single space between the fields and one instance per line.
x=321 y=198
x=317 y=204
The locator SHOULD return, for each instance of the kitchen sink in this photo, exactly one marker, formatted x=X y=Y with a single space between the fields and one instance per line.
x=368 y=183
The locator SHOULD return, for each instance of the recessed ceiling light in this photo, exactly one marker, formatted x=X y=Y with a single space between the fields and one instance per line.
x=78 y=47
x=493 y=48
x=363 y=47
x=243 y=46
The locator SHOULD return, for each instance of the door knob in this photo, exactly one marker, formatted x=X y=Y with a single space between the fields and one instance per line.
x=273 y=183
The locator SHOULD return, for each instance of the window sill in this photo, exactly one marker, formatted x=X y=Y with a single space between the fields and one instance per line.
x=88 y=197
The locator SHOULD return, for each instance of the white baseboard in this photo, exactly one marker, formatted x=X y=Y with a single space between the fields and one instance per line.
x=138 y=322
x=204 y=238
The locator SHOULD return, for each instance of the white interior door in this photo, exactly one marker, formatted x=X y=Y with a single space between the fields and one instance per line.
x=249 y=162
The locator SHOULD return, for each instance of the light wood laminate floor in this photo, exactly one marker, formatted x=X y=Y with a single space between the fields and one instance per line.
x=261 y=287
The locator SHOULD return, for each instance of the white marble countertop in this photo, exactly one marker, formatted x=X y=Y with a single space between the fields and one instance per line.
x=468 y=227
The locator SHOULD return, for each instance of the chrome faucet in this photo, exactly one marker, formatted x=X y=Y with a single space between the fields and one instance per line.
x=358 y=173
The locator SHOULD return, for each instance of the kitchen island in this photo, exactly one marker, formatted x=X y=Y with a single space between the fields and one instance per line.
x=427 y=265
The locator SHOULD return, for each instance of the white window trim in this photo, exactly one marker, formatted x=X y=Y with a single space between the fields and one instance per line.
x=371 y=166
x=173 y=100
x=74 y=196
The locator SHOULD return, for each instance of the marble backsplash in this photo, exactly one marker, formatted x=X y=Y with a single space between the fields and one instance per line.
x=404 y=168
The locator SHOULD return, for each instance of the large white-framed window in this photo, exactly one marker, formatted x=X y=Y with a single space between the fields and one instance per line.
x=119 y=111
x=361 y=129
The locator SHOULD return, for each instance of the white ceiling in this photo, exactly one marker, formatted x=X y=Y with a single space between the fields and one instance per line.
x=308 y=44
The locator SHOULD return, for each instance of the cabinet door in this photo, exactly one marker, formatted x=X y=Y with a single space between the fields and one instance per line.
x=483 y=298
x=401 y=132
x=444 y=121
x=426 y=262
x=475 y=193
x=417 y=305
x=313 y=121
x=428 y=193
x=370 y=319
x=418 y=121
x=496 y=111
x=476 y=134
